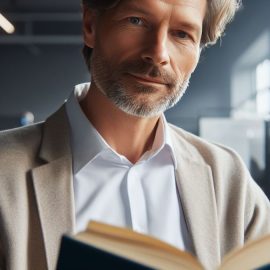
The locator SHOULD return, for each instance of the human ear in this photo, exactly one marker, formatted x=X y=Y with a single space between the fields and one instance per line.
x=89 y=25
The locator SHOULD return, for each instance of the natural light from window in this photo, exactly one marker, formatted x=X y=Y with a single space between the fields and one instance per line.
x=263 y=87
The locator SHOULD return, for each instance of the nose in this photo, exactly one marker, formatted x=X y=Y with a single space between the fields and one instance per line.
x=156 y=49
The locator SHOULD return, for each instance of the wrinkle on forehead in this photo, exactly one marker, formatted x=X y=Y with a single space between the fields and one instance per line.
x=196 y=4
x=192 y=3
x=199 y=6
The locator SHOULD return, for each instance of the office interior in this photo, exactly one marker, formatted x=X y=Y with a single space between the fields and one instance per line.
x=227 y=102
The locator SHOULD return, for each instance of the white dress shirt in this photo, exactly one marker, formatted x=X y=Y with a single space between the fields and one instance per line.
x=109 y=188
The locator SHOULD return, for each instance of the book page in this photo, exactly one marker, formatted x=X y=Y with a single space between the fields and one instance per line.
x=141 y=254
x=140 y=242
x=132 y=236
x=253 y=255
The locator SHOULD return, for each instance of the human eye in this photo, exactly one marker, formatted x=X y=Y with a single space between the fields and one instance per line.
x=135 y=20
x=183 y=35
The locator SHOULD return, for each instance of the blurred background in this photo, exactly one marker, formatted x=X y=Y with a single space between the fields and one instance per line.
x=228 y=100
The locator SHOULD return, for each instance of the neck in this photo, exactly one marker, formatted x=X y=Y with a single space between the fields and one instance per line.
x=128 y=135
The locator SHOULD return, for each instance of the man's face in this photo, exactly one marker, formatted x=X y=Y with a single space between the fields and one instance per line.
x=144 y=52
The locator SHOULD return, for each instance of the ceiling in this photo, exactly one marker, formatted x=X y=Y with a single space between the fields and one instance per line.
x=42 y=21
x=39 y=5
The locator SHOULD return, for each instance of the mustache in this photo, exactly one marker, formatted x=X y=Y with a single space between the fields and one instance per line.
x=147 y=69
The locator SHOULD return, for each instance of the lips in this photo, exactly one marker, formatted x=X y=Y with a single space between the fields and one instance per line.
x=146 y=79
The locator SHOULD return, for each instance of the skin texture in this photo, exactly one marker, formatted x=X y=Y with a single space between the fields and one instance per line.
x=144 y=52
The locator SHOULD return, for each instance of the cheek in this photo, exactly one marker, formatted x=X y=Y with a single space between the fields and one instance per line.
x=184 y=61
x=121 y=45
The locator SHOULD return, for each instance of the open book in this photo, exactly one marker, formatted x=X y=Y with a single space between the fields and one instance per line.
x=104 y=246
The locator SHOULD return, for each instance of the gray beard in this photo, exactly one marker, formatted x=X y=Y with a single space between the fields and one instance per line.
x=131 y=106
x=138 y=103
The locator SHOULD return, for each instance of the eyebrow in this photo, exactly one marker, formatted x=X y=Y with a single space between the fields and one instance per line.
x=186 y=25
x=136 y=8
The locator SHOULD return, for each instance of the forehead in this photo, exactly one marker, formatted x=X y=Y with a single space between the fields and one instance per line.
x=196 y=8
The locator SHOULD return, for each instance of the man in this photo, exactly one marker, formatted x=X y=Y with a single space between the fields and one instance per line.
x=109 y=154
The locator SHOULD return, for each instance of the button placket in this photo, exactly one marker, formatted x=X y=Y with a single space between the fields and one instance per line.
x=136 y=201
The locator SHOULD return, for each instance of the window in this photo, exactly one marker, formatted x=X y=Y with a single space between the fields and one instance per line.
x=263 y=87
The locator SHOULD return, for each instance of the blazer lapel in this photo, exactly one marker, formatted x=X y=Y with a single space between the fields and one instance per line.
x=195 y=186
x=53 y=185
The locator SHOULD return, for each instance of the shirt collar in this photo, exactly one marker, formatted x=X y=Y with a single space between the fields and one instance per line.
x=167 y=139
x=162 y=141
x=87 y=143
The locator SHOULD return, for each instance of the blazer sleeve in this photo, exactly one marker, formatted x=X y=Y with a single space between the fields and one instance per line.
x=248 y=203
x=258 y=208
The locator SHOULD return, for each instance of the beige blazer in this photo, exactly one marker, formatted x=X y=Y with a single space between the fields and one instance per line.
x=222 y=205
